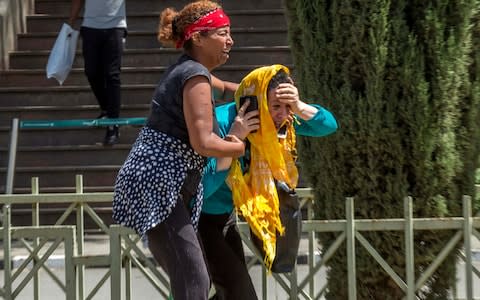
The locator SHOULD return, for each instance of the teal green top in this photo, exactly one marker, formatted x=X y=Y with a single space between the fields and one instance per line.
x=217 y=197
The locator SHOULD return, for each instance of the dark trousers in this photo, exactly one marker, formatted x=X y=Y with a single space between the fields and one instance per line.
x=175 y=246
x=102 y=54
x=226 y=261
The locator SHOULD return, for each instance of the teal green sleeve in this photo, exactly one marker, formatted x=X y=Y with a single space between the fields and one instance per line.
x=212 y=179
x=322 y=124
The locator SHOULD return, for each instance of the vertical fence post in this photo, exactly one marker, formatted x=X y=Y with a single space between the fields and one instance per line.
x=70 y=253
x=264 y=282
x=351 y=264
x=80 y=231
x=467 y=243
x=409 y=244
x=36 y=241
x=128 y=278
x=311 y=249
x=12 y=153
x=7 y=248
x=115 y=262
x=35 y=206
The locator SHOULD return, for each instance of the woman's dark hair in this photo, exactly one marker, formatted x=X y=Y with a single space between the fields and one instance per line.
x=280 y=77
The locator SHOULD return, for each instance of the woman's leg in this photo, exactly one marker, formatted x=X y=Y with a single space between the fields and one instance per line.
x=224 y=251
x=175 y=246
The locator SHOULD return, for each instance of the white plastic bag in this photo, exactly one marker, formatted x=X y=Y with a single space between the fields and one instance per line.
x=62 y=55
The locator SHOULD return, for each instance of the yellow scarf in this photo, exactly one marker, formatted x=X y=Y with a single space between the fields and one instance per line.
x=254 y=193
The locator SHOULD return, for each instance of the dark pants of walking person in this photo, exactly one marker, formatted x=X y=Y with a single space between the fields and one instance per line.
x=175 y=246
x=226 y=261
x=102 y=53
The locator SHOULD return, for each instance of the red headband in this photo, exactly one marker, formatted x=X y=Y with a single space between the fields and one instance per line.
x=213 y=20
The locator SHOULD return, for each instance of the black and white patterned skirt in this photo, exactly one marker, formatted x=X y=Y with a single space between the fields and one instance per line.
x=148 y=184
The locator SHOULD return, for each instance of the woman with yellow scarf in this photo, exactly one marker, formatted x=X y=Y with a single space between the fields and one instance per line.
x=228 y=183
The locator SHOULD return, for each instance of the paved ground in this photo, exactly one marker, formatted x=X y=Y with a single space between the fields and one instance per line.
x=142 y=289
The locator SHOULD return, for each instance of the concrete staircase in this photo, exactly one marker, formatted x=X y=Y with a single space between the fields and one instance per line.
x=57 y=155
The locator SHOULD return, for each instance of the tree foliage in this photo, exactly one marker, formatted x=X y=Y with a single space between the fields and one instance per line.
x=401 y=78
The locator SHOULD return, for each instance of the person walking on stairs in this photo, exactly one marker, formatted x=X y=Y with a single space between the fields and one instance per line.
x=103 y=32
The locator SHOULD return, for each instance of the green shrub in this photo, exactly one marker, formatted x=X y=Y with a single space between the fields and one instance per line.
x=402 y=79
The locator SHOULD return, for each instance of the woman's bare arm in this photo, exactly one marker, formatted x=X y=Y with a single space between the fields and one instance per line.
x=198 y=111
x=226 y=89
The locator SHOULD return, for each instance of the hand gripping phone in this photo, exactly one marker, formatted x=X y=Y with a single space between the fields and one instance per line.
x=253 y=105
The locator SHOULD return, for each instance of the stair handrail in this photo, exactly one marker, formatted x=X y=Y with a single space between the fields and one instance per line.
x=12 y=21
x=42 y=124
x=17 y=125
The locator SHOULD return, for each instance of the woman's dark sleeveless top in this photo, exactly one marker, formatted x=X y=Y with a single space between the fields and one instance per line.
x=166 y=114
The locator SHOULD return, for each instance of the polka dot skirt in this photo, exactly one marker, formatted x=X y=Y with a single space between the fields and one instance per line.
x=149 y=182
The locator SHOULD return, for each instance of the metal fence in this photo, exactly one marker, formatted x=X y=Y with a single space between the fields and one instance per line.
x=41 y=241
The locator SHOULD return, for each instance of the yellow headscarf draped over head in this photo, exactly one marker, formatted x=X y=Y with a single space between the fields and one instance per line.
x=254 y=193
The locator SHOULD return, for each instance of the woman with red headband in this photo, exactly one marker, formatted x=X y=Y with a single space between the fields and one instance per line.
x=158 y=190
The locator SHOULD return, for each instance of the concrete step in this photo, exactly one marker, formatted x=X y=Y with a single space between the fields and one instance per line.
x=79 y=97
x=63 y=6
x=148 y=20
x=55 y=156
x=62 y=176
x=148 y=39
x=65 y=112
x=69 y=95
x=67 y=136
x=130 y=75
x=161 y=57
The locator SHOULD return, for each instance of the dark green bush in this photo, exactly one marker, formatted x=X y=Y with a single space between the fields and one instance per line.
x=402 y=79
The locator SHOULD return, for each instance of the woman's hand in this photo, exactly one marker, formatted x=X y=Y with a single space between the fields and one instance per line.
x=288 y=93
x=244 y=123
x=197 y=110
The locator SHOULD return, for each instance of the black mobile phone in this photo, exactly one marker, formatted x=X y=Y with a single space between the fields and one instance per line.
x=282 y=132
x=253 y=105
